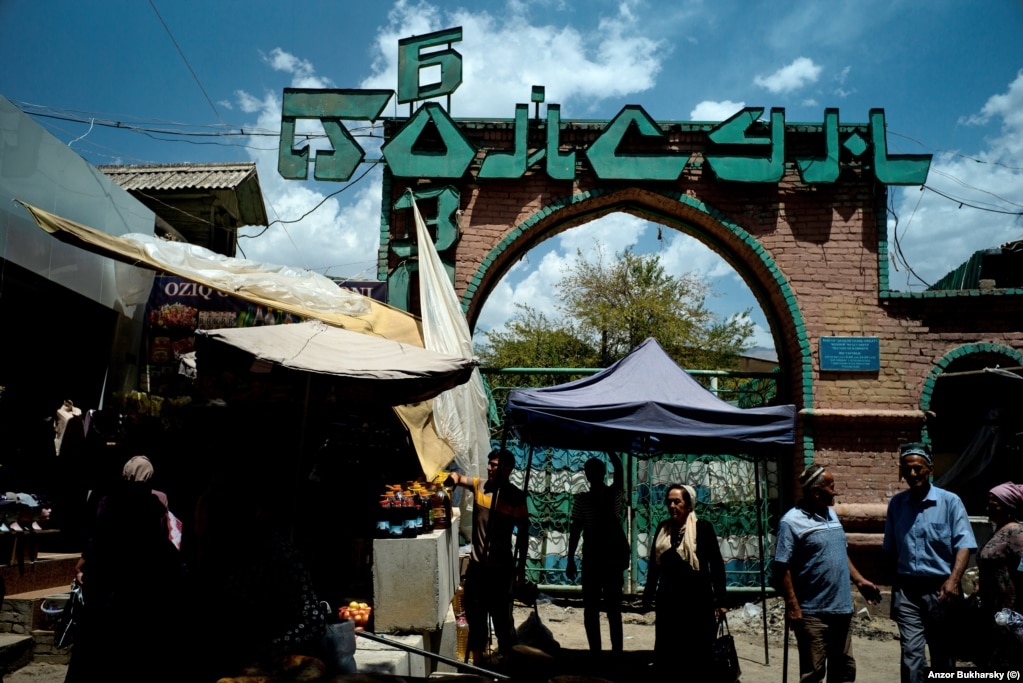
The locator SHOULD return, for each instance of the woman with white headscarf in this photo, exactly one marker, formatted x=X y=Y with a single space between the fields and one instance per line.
x=686 y=582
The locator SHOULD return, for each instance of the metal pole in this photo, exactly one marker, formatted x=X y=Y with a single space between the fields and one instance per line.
x=763 y=558
x=432 y=655
x=785 y=652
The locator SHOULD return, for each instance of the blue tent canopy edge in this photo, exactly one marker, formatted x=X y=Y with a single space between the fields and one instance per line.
x=646 y=404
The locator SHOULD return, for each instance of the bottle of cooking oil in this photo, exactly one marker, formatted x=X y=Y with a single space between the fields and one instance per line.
x=461 y=638
x=458 y=600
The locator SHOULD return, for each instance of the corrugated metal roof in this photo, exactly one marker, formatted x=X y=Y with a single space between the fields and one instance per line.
x=180 y=176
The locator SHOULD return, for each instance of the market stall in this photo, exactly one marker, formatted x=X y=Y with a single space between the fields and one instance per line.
x=645 y=405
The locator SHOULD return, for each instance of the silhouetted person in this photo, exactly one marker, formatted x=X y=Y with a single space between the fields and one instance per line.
x=597 y=517
x=133 y=583
x=254 y=595
x=499 y=507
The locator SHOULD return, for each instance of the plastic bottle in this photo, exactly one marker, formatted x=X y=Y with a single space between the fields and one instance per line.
x=383 y=523
x=1011 y=620
x=458 y=600
x=426 y=500
x=396 y=517
x=409 y=517
x=461 y=638
x=441 y=502
x=417 y=510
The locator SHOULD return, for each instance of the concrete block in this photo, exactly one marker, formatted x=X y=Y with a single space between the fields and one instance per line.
x=15 y=651
x=414 y=580
x=371 y=656
x=447 y=643
x=393 y=662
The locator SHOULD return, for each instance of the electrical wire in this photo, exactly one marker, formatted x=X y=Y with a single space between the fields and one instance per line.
x=321 y=203
x=185 y=60
x=952 y=152
x=963 y=203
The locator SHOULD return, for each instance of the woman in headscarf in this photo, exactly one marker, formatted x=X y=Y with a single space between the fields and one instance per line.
x=133 y=583
x=686 y=582
x=1001 y=584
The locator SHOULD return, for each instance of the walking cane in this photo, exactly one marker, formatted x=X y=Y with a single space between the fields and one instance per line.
x=785 y=653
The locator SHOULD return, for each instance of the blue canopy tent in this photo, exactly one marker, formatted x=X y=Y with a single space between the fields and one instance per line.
x=645 y=404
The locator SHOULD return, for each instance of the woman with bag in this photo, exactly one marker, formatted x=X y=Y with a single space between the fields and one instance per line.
x=1001 y=585
x=133 y=583
x=686 y=582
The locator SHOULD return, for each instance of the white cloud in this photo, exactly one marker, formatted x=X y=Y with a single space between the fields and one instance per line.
x=303 y=74
x=794 y=76
x=709 y=110
x=938 y=234
x=510 y=55
x=685 y=254
x=340 y=236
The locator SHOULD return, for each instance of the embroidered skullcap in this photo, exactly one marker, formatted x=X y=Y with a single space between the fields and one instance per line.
x=810 y=475
x=138 y=469
x=1009 y=493
x=916 y=448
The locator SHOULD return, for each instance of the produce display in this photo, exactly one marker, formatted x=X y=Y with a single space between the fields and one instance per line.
x=359 y=612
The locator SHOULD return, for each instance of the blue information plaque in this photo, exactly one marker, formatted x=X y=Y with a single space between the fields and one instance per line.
x=850 y=354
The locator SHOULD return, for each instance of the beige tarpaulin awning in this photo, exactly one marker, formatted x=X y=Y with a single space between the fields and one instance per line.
x=299 y=292
x=368 y=369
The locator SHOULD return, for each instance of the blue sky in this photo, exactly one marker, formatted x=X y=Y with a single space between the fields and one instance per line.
x=947 y=73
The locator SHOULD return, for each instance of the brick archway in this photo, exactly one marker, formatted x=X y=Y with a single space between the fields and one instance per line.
x=682 y=212
x=812 y=248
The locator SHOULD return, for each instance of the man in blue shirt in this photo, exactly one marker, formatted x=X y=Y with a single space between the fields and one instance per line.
x=815 y=572
x=928 y=535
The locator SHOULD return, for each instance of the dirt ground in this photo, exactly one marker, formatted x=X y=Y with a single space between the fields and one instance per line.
x=875 y=645
x=875 y=641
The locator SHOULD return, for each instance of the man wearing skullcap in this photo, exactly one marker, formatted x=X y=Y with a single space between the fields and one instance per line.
x=813 y=568
x=928 y=537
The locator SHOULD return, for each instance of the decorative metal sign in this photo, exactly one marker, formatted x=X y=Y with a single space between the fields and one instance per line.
x=850 y=354
x=742 y=149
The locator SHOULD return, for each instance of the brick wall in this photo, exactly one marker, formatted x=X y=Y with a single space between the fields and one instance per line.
x=810 y=252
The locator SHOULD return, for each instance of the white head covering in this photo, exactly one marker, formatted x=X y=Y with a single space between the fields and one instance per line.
x=138 y=469
x=687 y=548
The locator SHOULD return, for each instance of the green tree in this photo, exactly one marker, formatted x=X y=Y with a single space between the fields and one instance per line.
x=616 y=305
x=608 y=308
x=532 y=340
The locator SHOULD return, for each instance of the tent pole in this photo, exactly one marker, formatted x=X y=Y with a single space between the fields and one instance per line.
x=763 y=558
x=630 y=515
x=525 y=490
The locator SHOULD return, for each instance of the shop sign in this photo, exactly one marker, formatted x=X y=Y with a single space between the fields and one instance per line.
x=744 y=148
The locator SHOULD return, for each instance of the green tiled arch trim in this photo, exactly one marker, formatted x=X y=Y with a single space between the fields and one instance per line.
x=955 y=354
x=756 y=252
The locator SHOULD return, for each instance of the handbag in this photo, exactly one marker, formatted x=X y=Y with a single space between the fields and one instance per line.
x=724 y=658
x=70 y=616
x=337 y=648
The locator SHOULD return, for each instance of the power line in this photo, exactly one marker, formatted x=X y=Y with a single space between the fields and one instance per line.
x=185 y=60
x=321 y=203
x=954 y=153
x=963 y=203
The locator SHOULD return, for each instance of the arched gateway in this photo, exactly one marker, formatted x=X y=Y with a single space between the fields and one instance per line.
x=798 y=209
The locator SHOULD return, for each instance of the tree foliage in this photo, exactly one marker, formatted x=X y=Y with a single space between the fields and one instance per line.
x=609 y=307
x=532 y=340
